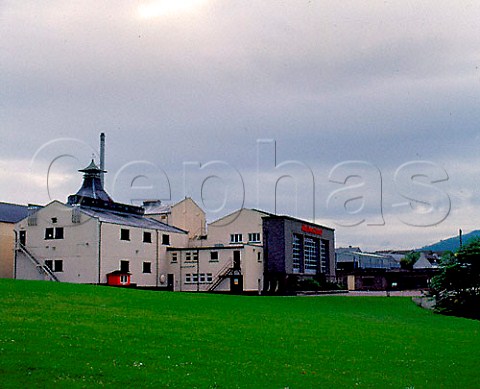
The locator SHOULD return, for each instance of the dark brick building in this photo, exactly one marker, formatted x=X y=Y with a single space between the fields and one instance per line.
x=295 y=250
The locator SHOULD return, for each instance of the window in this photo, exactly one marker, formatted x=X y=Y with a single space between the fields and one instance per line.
x=213 y=256
x=174 y=258
x=58 y=265
x=254 y=237
x=54 y=220
x=124 y=234
x=124 y=266
x=198 y=278
x=147 y=267
x=236 y=238
x=147 y=237
x=297 y=252
x=123 y=279
x=324 y=256
x=54 y=233
x=259 y=256
x=165 y=239
x=310 y=255
x=59 y=233
x=54 y=265
x=49 y=264
x=191 y=256
x=49 y=233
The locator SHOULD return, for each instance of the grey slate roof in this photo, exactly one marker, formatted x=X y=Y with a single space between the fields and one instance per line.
x=131 y=220
x=12 y=213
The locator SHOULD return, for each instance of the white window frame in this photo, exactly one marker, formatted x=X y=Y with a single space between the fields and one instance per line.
x=254 y=237
x=236 y=238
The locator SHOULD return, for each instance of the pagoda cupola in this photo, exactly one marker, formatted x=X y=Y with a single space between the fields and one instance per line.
x=92 y=187
x=92 y=194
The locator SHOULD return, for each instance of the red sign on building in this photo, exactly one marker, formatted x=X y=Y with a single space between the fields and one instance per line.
x=312 y=230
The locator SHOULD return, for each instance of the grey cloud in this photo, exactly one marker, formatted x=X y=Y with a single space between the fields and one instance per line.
x=384 y=82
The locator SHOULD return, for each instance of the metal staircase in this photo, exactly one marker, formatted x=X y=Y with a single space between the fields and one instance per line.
x=225 y=272
x=42 y=269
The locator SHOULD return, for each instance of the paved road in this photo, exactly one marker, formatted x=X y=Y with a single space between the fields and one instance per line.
x=403 y=293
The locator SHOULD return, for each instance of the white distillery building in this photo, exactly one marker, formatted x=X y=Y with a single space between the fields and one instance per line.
x=254 y=251
x=185 y=214
x=92 y=238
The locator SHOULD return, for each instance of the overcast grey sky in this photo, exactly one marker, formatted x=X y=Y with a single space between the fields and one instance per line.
x=351 y=92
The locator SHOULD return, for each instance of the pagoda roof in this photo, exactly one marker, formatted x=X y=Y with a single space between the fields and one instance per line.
x=92 y=168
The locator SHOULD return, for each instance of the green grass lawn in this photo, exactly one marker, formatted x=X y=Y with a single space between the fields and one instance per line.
x=69 y=335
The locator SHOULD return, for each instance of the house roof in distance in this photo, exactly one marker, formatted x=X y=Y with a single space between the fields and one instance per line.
x=12 y=213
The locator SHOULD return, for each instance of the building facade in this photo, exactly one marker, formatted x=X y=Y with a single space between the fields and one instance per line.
x=295 y=250
x=9 y=215
x=257 y=252
x=185 y=214
x=234 y=268
x=91 y=237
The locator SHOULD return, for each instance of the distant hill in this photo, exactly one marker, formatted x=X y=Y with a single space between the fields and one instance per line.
x=451 y=244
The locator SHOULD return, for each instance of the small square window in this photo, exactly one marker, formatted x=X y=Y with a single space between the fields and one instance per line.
x=124 y=234
x=124 y=266
x=165 y=239
x=49 y=233
x=59 y=233
x=147 y=267
x=147 y=237
x=188 y=278
x=58 y=265
x=174 y=257
x=209 y=277
x=49 y=264
x=214 y=256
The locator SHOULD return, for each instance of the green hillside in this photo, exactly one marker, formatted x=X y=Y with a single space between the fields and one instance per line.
x=451 y=244
x=66 y=335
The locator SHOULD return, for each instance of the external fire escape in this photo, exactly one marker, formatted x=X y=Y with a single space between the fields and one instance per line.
x=42 y=269
x=228 y=271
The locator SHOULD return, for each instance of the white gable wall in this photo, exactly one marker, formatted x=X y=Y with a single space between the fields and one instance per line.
x=243 y=222
x=78 y=250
